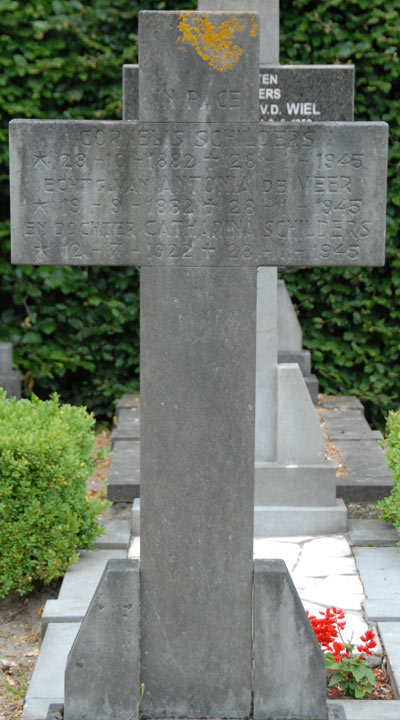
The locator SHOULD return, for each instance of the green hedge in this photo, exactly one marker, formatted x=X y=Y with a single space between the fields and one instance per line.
x=390 y=506
x=45 y=460
x=75 y=330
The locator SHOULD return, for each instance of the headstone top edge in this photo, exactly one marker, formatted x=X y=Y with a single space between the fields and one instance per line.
x=200 y=12
x=301 y=66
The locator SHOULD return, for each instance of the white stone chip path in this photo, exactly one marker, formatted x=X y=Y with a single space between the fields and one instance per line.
x=324 y=573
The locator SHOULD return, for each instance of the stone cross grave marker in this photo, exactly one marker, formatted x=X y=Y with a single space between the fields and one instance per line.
x=190 y=193
x=287 y=474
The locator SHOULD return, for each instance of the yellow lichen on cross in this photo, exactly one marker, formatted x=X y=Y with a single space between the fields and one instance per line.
x=215 y=44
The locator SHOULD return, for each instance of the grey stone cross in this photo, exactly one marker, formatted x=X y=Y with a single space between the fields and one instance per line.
x=193 y=194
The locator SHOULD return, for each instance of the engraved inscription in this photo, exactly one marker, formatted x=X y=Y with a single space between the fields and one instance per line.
x=306 y=94
x=197 y=194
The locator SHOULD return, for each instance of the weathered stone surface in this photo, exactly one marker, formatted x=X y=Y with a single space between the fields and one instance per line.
x=197 y=499
x=164 y=211
x=171 y=83
x=367 y=710
x=95 y=685
x=130 y=92
x=269 y=22
x=305 y=93
x=372 y=532
x=289 y=683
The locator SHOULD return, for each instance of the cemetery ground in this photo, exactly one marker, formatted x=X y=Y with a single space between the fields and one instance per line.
x=20 y=618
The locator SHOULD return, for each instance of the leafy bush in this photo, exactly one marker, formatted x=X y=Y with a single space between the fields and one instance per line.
x=45 y=459
x=390 y=506
x=75 y=330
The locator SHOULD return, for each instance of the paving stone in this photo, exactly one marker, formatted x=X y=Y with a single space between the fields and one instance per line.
x=378 y=610
x=322 y=566
x=264 y=548
x=341 y=591
x=124 y=474
x=334 y=546
x=390 y=634
x=47 y=682
x=372 y=532
x=369 y=710
x=379 y=570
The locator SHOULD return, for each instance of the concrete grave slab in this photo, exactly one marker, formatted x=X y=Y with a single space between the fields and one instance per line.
x=81 y=580
x=47 y=682
x=117 y=535
x=390 y=634
x=379 y=569
x=378 y=610
x=274 y=521
x=123 y=483
x=342 y=402
x=369 y=476
x=126 y=403
x=372 y=532
x=348 y=424
x=128 y=427
x=367 y=710
x=63 y=611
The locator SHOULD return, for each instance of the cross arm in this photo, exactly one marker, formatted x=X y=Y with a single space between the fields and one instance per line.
x=197 y=194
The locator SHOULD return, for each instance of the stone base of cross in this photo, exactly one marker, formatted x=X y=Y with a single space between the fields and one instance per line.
x=199 y=195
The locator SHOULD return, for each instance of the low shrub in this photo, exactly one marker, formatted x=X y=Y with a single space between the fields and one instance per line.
x=46 y=457
x=390 y=506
